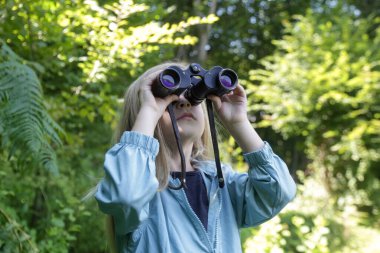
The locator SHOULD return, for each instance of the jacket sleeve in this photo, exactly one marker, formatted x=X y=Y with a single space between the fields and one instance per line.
x=130 y=181
x=260 y=194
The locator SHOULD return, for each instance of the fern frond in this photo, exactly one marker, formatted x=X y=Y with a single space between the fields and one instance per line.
x=25 y=124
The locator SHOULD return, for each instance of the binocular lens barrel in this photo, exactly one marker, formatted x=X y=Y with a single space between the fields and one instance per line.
x=167 y=83
x=169 y=78
x=228 y=79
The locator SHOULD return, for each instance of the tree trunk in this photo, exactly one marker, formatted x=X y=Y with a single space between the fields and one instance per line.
x=204 y=32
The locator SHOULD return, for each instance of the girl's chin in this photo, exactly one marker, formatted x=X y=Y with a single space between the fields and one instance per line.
x=187 y=135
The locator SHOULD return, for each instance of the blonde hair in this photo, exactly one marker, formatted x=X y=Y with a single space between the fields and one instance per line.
x=201 y=149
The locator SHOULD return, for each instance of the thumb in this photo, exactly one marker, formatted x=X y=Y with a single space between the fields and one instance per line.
x=171 y=98
x=215 y=101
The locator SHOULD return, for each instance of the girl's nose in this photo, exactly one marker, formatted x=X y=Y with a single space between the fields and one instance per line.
x=182 y=102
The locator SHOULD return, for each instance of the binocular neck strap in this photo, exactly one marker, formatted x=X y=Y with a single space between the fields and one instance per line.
x=210 y=113
x=180 y=150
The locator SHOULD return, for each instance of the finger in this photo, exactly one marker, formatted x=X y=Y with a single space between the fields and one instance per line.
x=149 y=80
x=239 y=90
x=212 y=98
x=171 y=98
x=216 y=101
x=226 y=98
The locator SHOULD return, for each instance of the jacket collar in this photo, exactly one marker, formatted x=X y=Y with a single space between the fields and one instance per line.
x=207 y=167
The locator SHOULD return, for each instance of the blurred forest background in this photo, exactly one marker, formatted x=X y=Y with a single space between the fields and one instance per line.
x=311 y=69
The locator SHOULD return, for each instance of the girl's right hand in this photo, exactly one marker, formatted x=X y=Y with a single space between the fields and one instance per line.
x=149 y=101
x=152 y=108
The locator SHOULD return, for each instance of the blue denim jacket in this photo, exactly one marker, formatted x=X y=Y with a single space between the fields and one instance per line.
x=147 y=220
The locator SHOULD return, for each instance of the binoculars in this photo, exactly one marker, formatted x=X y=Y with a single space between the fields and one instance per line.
x=196 y=82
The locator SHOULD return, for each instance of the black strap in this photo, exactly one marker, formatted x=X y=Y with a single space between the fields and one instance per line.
x=179 y=145
x=215 y=143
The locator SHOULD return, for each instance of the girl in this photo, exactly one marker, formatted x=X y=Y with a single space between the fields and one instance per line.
x=148 y=216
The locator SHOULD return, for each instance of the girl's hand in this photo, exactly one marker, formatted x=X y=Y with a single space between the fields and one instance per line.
x=232 y=111
x=151 y=103
x=152 y=108
x=231 y=108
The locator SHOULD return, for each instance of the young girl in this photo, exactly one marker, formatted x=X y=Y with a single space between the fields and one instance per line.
x=150 y=217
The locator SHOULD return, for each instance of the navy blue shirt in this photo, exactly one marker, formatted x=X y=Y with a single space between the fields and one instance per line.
x=196 y=194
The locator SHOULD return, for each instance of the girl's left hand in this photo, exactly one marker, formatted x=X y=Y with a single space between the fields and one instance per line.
x=231 y=108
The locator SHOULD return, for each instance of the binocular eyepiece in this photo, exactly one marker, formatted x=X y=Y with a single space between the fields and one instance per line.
x=196 y=82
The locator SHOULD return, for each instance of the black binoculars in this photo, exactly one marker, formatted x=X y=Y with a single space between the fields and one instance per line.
x=196 y=82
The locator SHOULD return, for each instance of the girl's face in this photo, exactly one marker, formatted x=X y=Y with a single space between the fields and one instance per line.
x=190 y=121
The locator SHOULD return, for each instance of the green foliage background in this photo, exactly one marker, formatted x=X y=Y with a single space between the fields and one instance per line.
x=310 y=68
